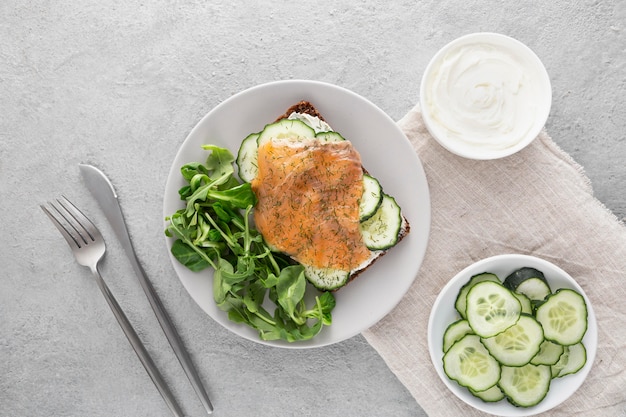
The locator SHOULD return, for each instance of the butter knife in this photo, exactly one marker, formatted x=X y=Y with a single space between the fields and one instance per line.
x=103 y=191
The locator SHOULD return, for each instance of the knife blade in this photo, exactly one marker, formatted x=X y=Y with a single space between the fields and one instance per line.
x=103 y=191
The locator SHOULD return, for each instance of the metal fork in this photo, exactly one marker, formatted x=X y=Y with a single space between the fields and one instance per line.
x=88 y=247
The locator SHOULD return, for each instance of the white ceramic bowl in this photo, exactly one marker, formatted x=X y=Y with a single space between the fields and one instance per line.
x=443 y=314
x=485 y=96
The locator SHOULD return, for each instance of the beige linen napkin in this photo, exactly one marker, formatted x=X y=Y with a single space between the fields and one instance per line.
x=537 y=202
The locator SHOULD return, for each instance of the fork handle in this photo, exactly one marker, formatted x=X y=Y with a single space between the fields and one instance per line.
x=138 y=346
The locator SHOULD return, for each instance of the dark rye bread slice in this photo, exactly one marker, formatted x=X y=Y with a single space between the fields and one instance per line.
x=305 y=107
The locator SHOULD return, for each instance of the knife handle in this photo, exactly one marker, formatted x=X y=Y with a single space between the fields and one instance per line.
x=138 y=346
x=172 y=335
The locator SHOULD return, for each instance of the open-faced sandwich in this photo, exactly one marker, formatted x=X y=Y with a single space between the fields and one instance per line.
x=315 y=200
x=303 y=209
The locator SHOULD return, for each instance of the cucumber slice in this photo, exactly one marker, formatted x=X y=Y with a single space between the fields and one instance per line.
x=518 y=344
x=492 y=395
x=491 y=308
x=576 y=359
x=326 y=279
x=295 y=130
x=563 y=317
x=248 y=154
x=371 y=199
x=527 y=385
x=247 y=158
x=455 y=332
x=527 y=306
x=534 y=288
x=549 y=353
x=329 y=137
x=381 y=231
x=469 y=364
x=518 y=276
x=571 y=361
x=461 y=299
x=561 y=363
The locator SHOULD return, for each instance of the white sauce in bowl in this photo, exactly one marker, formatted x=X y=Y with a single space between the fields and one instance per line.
x=484 y=98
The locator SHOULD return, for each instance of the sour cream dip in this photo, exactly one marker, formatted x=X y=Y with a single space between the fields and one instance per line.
x=485 y=96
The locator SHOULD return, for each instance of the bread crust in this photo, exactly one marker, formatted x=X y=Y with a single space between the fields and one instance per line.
x=305 y=107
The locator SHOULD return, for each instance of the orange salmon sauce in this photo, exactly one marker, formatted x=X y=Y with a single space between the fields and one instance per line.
x=308 y=202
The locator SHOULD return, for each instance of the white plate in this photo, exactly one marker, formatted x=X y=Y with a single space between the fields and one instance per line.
x=443 y=314
x=386 y=153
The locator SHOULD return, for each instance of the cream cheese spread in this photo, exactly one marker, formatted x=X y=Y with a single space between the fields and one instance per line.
x=483 y=96
x=313 y=122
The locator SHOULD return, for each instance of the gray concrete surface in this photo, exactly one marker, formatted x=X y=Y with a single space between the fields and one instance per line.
x=121 y=83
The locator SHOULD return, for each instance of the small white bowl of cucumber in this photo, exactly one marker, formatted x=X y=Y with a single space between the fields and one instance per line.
x=512 y=335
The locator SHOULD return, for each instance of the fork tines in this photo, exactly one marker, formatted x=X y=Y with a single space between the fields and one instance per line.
x=75 y=227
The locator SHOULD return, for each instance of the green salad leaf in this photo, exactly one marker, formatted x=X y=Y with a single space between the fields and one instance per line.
x=213 y=231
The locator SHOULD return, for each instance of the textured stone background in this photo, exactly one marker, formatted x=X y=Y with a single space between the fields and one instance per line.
x=121 y=83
